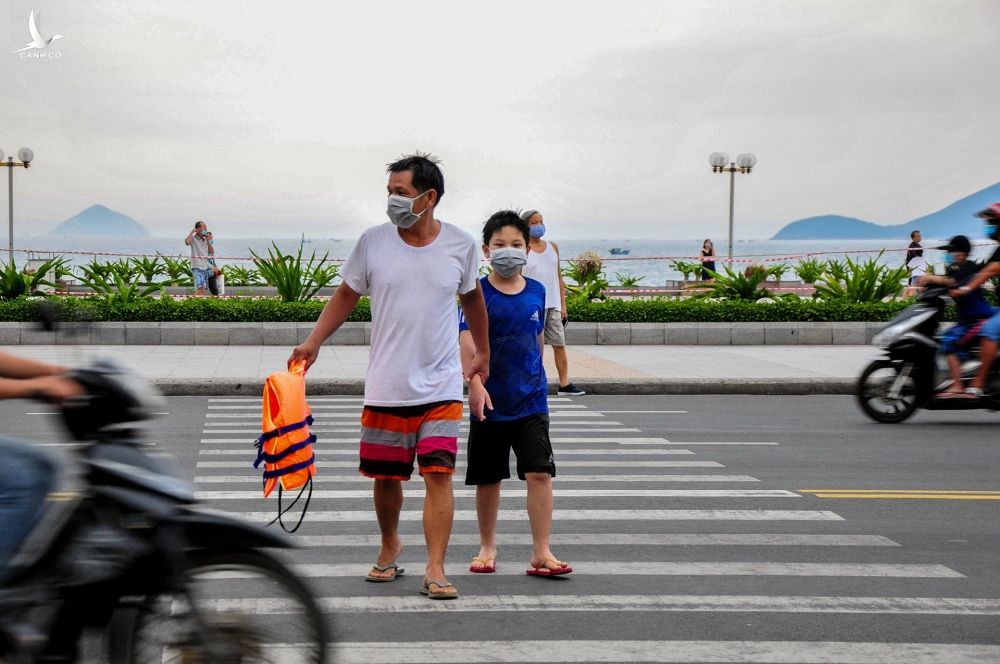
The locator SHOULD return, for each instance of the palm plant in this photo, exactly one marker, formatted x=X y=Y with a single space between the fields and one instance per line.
x=587 y=273
x=148 y=268
x=628 y=280
x=238 y=275
x=686 y=268
x=809 y=270
x=16 y=282
x=868 y=281
x=177 y=270
x=737 y=285
x=295 y=282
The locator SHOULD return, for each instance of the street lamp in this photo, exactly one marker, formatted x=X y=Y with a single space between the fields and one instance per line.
x=744 y=164
x=25 y=157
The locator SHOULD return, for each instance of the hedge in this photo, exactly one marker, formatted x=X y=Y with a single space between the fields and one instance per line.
x=663 y=310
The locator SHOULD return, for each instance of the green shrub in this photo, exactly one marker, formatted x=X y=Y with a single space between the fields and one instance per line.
x=587 y=273
x=809 y=270
x=686 y=268
x=178 y=271
x=238 y=275
x=699 y=310
x=627 y=280
x=737 y=285
x=295 y=281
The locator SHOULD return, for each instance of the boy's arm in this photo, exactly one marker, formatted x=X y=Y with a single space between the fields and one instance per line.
x=991 y=270
x=562 y=284
x=334 y=314
x=474 y=308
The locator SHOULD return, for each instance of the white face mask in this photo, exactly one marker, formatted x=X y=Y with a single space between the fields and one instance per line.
x=400 y=210
x=508 y=261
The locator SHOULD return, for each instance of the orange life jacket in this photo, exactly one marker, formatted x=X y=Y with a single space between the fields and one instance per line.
x=285 y=446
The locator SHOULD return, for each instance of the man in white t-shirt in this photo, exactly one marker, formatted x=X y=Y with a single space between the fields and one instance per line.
x=412 y=268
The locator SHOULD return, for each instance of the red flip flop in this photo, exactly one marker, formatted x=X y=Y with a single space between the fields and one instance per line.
x=483 y=565
x=543 y=570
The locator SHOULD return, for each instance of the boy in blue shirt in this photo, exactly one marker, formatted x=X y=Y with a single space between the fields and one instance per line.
x=511 y=410
x=972 y=310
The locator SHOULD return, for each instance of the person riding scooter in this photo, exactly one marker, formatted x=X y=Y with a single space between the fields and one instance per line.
x=30 y=472
x=990 y=330
x=972 y=310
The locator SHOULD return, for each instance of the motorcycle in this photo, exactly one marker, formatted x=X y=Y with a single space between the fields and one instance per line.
x=134 y=555
x=913 y=372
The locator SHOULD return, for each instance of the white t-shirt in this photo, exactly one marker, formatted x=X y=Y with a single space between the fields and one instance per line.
x=414 y=348
x=544 y=267
x=917 y=265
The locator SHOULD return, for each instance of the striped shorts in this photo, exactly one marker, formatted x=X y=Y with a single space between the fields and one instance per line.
x=391 y=438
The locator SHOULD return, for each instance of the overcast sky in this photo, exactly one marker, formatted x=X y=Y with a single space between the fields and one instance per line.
x=279 y=118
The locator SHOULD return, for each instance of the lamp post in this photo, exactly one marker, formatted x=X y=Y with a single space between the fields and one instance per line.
x=744 y=164
x=25 y=157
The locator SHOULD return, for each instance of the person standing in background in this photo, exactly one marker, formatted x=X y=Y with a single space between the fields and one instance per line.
x=199 y=239
x=707 y=260
x=915 y=261
x=543 y=266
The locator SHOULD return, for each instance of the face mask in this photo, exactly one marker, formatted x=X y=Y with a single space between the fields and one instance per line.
x=991 y=230
x=537 y=231
x=400 y=210
x=508 y=261
x=949 y=260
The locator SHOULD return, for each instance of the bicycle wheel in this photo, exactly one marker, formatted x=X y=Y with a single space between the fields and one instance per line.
x=253 y=608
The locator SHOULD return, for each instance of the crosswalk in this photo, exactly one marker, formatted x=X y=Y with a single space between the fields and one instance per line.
x=660 y=535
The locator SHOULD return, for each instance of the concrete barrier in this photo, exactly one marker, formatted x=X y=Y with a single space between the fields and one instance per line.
x=359 y=334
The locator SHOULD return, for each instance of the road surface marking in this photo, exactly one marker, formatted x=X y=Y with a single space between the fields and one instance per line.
x=576 y=515
x=247 y=465
x=614 y=452
x=558 y=480
x=616 y=539
x=320 y=494
x=904 y=494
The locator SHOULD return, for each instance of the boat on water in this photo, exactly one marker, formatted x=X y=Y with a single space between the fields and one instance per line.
x=619 y=251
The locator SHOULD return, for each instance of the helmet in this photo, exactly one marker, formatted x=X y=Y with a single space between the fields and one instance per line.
x=992 y=212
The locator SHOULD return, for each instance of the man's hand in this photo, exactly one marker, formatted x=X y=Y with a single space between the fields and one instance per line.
x=480 y=366
x=958 y=292
x=53 y=389
x=306 y=352
x=565 y=318
x=479 y=399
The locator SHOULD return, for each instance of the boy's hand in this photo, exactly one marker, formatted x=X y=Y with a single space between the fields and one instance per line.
x=479 y=399
x=53 y=389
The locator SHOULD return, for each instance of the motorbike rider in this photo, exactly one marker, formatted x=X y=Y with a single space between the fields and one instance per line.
x=972 y=309
x=29 y=471
x=991 y=329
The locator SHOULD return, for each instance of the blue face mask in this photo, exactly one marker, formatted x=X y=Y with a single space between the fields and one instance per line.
x=991 y=230
x=537 y=231
x=949 y=260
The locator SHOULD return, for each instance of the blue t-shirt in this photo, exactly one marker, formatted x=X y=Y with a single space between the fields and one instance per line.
x=971 y=307
x=517 y=384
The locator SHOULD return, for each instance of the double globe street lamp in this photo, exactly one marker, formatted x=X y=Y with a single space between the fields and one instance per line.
x=744 y=164
x=25 y=157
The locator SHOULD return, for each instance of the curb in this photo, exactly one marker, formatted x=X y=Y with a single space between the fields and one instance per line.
x=598 y=386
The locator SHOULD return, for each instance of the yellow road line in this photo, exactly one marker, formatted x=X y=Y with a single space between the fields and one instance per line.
x=912 y=494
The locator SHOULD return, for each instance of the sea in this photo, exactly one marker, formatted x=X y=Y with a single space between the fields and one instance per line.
x=649 y=258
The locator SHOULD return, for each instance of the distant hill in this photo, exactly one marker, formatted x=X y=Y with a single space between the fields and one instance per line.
x=100 y=221
x=952 y=220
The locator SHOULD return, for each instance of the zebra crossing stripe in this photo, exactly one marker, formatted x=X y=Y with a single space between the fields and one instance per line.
x=357 y=430
x=461 y=467
x=655 y=652
x=321 y=494
x=661 y=568
x=559 y=480
x=616 y=539
x=964 y=606
x=354 y=441
x=364 y=516
x=324 y=406
x=354 y=415
x=563 y=452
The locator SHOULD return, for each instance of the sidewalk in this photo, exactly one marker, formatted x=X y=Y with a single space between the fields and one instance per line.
x=203 y=370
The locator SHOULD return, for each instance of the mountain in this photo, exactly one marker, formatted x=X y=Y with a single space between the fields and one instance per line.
x=99 y=221
x=955 y=219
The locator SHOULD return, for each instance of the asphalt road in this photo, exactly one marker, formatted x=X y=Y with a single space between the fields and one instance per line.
x=693 y=524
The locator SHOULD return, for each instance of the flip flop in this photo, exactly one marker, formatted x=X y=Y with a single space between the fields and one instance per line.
x=396 y=571
x=952 y=395
x=542 y=568
x=480 y=566
x=426 y=589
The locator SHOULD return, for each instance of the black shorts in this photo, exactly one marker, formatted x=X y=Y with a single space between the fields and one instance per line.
x=490 y=443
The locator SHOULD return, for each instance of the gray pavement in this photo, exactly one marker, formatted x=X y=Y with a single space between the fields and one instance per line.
x=206 y=370
x=696 y=526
